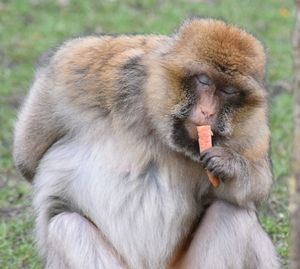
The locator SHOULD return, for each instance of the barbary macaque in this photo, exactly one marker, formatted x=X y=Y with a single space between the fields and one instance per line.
x=108 y=137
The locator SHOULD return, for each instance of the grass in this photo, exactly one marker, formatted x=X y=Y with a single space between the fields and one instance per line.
x=27 y=28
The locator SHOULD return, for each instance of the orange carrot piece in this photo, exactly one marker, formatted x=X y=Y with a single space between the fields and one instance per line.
x=205 y=142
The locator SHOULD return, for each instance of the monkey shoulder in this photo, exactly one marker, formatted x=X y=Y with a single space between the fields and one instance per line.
x=92 y=67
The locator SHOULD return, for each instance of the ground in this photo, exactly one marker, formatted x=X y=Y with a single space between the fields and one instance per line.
x=27 y=28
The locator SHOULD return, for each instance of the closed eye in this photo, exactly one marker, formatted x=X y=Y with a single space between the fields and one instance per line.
x=204 y=80
x=230 y=90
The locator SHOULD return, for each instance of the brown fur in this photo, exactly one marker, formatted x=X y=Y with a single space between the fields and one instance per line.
x=226 y=47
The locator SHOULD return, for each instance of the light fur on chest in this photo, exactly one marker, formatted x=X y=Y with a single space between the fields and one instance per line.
x=144 y=204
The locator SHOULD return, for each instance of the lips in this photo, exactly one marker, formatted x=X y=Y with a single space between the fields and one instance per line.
x=191 y=127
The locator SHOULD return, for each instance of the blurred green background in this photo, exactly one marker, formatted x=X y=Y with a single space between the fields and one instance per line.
x=27 y=28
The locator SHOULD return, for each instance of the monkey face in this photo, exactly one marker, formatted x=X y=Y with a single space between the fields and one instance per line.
x=211 y=97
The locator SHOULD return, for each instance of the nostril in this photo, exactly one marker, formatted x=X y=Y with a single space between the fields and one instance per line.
x=207 y=113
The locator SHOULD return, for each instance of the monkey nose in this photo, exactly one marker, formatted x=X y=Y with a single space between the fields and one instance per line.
x=207 y=113
x=201 y=116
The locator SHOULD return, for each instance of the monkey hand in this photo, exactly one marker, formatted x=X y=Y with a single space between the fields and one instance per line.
x=222 y=162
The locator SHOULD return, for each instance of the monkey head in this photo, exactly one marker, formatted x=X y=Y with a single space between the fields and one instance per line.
x=210 y=73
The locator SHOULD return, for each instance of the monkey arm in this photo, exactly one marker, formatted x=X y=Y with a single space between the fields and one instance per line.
x=37 y=128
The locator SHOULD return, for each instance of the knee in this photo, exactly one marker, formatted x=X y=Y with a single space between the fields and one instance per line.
x=241 y=227
x=68 y=223
x=62 y=221
x=65 y=218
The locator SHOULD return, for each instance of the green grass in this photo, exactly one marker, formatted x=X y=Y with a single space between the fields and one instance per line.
x=27 y=28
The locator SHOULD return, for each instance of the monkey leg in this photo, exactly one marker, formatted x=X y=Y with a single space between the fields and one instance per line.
x=229 y=238
x=74 y=242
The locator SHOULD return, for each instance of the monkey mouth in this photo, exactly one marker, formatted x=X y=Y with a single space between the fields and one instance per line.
x=219 y=132
x=191 y=127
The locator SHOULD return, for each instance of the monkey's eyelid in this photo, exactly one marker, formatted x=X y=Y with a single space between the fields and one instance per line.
x=230 y=90
x=204 y=79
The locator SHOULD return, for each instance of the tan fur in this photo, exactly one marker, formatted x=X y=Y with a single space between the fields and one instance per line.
x=222 y=44
x=105 y=136
x=100 y=59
